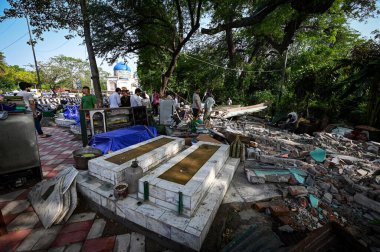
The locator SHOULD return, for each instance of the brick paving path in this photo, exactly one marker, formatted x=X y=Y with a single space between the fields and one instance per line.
x=83 y=232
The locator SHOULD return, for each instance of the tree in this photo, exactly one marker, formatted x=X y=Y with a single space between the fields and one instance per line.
x=63 y=71
x=2 y=63
x=364 y=78
x=161 y=26
x=10 y=76
x=55 y=15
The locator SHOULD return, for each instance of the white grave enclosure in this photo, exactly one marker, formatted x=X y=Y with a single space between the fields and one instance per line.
x=181 y=210
x=165 y=193
x=115 y=173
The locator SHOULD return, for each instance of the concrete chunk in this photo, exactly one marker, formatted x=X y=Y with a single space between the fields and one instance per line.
x=367 y=202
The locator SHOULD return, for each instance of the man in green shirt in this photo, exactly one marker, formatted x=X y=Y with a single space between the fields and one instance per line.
x=88 y=100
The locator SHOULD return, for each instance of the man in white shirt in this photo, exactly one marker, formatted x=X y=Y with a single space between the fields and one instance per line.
x=25 y=95
x=115 y=101
x=209 y=103
x=135 y=98
x=197 y=104
x=32 y=106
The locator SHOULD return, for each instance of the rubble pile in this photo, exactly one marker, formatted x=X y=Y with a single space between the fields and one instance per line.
x=322 y=178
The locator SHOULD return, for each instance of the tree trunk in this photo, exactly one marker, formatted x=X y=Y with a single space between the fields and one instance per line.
x=230 y=81
x=166 y=76
x=91 y=54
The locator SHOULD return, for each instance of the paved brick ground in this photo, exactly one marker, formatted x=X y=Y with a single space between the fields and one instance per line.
x=81 y=233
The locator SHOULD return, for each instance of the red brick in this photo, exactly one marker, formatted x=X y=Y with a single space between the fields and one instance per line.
x=285 y=220
x=23 y=196
x=261 y=206
x=29 y=209
x=77 y=226
x=3 y=204
x=279 y=210
x=47 y=168
x=52 y=174
x=9 y=218
x=10 y=241
x=68 y=238
x=104 y=244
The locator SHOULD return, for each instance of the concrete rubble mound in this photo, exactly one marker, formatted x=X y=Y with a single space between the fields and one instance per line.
x=321 y=178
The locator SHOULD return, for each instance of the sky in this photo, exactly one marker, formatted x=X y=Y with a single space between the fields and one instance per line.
x=14 y=36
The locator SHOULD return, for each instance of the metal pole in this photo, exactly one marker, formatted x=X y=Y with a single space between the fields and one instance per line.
x=34 y=54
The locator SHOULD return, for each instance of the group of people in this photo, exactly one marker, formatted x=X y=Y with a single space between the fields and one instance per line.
x=197 y=104
x=124 y=98
x=119 y=98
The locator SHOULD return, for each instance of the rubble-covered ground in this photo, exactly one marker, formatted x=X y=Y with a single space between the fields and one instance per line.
x=300 y=192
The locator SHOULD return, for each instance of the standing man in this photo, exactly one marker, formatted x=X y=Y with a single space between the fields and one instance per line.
x=208 y=106
x=125 y=98
x=88 y=100
x=115 y=101
x=31 y=105
x=197 y=105
x=229 y=101
x=135 y=98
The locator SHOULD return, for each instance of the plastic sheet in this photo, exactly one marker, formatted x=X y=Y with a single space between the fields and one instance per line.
x=122 y=138
x=71 y=112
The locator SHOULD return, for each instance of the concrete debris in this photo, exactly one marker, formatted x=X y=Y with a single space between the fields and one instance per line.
x=342 y=184
x=55 y=200
x=286 y=228
x=298 y=190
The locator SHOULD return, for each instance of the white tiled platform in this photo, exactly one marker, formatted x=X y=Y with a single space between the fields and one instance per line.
x=165 y=193
x=114 y=174
x=189 y=231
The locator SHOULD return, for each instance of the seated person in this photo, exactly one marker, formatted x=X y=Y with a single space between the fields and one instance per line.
x=292 y=122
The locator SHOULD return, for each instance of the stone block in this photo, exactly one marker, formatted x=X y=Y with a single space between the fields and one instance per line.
x=188 y=239
x=122 y=243
x=10 y=196
x=158 y=226
x=137 y=242
x=23 y=221
x=174 y=220
x=108 y=203
x=82 y=217
x=39 y=239
x=150 y=210
x=15 y=207
x=97 y=228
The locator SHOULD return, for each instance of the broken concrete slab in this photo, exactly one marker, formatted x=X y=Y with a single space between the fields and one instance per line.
x=52 y=199
x=298 y=191
x=367 y=202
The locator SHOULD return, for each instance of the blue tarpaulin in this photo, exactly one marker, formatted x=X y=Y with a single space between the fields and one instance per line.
x=71 y=112
x=122 y=138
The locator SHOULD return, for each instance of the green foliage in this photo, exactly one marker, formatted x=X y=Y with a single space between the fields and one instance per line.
x=263 y=96
x=10 y=76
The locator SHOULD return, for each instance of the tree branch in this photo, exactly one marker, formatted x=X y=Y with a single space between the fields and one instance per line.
x=255 y=18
